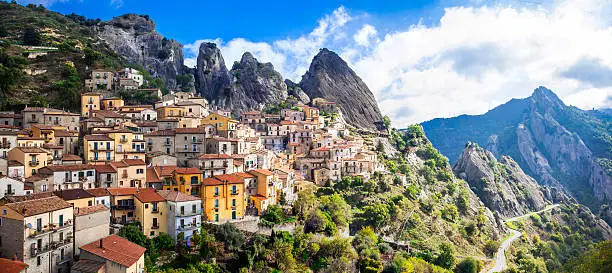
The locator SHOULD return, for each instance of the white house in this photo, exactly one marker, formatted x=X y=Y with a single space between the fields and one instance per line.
x=183 y=214
x=10 y=186
x=71 y=176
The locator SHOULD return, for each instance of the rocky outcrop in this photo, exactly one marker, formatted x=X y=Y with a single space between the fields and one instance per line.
x=296 y=91
x=501 y=185
x=212 y=74
x=134 y=37
x=331 y=78
x=249 y=85
x=555 y=143
x=254 y=85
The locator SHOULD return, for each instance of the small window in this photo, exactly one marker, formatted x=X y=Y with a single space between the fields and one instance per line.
x=146 y=206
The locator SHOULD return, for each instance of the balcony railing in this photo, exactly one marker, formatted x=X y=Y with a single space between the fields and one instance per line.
x=123 y=140
x=234 y=193
x=49 y=228
x=155 y=227
x=102 y=148
x=5 y=145
x=197 y=140
x=155 y=210
x=167 y=143
x=190 y=212
x=124 y=207
x=34 y=163
x=9 y=192
x=190 y=226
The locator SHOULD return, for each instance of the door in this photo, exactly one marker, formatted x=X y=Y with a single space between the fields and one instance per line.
x=39 y=224
x=154 y=222
x=61 y=220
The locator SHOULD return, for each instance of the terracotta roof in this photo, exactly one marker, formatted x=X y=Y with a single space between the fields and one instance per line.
x=165 y=171
x=261 y=171
x=152 y=176
x=88 y=266
x=12 y=265
x=119 y=164
x=106 y=168
x=73 y=194
x=215 y=156
x=107 y=114
x=69 y=157
x=98 y=192
x=147 y=195
x=31 y=150
x=259 y=196
x=188 y=171
x=98 y=138
x=244 y=175
x=90 y=210
x=230 y=178
x=71 y=168
x=122 y=191
x=21 y=198
x=211 y=182
x=117 y=249
x=39 y=206
x=176 y=196
x=134 y=162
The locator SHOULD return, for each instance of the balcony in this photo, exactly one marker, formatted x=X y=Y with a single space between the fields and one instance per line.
x=167 y=144
x=34 y=163
x=155 y=210
x=126 y=221
x=191 y=226
x=123 y=140
x=102 y=148
x=124 y=207
x=190 y=213
x=49 y=229
x=5 y=145
x=189 y=150
x=9 y=192
x=155 y=227
x=32 y=121
x=234 y=193
x=197 y=140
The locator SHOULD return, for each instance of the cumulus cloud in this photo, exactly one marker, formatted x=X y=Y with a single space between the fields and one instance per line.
x=473 y=58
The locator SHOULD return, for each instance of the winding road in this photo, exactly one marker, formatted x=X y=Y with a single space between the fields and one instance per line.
x=500 y=256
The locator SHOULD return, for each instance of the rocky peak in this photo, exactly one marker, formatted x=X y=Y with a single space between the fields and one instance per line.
x=546 y=99
x=331 y=78
x=212 y=74
x=134 y=37
x=501 y=185
x=139 y=23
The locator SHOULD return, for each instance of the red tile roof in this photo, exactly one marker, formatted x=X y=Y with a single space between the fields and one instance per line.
x=117 y=249
x=230 y=178
x=187 y=171
x=98 y=192
x=211 y=182
x=176 y=196
x=164 y=171
x=148 y=195
x=262 y=171
x=12 y=265
x=152 y=176
x=106 y=168
x=122 y=191
x=244 y=175
x=134 y=162
x=69 y=157
x=73 y=194
x=90 y=210
x=39 y=206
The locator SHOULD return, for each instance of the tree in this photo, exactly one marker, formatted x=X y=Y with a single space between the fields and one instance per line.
x=274 y=214
x=376 y=214
x=387 y=122
x=134 y=235
x=446 y=256
x=337 y=208
x=305 y=203
x=31 y=36
x=365 y=238
x=468 y=265
x=490 y=247
x=596 y=260
x=229 y=234
x=164 y=241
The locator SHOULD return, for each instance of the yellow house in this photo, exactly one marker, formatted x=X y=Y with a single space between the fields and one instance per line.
x=266 y=192
x=98 y=149
x=44 y=132
x=90 y=101
x=31 y=157
x=131 y=173
x=185 y=180
x=170 y=112
x=28 y=141
x=223 y=197
x=79 y=198
x=128 y=145
x=225 y=126
x=122 y=205
x=112 y=103
x=151 y=212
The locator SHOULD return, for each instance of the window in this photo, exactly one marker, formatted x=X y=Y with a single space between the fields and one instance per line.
x=152 y=233
x=193 y=208
x=4 y=212
x=216 y=203
x=216 y=191
x=139 y=171
x=234 y=202
x=38 y=261
x=233 y=189
x=146 y=206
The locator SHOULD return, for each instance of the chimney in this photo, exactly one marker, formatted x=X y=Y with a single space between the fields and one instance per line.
x=101 y=245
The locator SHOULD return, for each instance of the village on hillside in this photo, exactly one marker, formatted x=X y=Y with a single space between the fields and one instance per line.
x=70 y=181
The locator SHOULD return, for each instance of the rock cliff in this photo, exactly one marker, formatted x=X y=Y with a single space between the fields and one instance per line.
x=555 y=143
x=330 y=77
x=134 y=37
x=501 y=185
x=212 y=74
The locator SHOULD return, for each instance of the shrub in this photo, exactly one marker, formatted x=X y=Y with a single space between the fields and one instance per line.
x=490 y=247
x=468 y=265
x=446 y=257
x=450 y=213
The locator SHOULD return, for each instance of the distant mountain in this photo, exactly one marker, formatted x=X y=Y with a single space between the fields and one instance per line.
x=555 y=143
x=331 y=78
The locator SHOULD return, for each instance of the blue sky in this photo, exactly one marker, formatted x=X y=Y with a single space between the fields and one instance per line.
x=421 y=59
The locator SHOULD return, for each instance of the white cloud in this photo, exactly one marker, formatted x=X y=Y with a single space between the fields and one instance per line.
x=473 y=59
x=364 y=36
